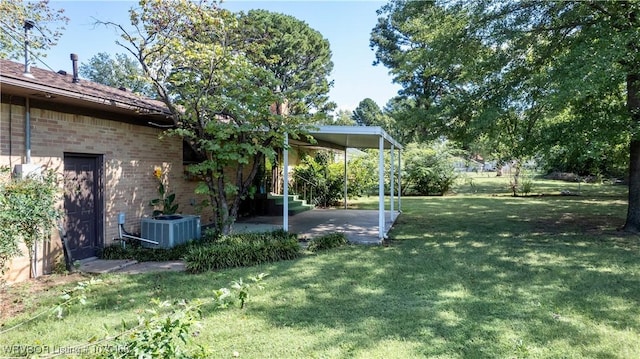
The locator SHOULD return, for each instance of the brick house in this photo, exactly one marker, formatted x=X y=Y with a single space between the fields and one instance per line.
x=105 y=144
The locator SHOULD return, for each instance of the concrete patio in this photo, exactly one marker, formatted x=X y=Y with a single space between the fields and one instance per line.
x=360 y=226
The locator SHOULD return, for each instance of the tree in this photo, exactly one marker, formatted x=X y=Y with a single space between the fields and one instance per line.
x=221 y=99
x=122 y=71
x=298 y=56
x=483 y=67
x=368 y=113
x=340 y=118
x=47 y=23
x=343 y=118
x=409 y=123
x=462 y=83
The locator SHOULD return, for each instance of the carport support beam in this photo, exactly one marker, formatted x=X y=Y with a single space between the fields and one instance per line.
x=345 y=178
x=381 y=223
x=399 y=180
x=392 y=179
x=285 y=184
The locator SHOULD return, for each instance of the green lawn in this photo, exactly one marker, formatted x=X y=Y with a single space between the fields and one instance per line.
x=478 y=274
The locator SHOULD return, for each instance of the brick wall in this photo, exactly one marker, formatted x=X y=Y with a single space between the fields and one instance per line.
x=130 y=153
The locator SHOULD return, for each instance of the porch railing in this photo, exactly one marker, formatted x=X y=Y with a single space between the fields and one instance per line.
x=304 y=188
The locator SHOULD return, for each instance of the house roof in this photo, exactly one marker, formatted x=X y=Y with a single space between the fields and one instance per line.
x=59 y=88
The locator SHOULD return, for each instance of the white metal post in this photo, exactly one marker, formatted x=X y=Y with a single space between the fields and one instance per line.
x=392 y=179
x=399 y=181
x=381 y=224
x=345 y=178
x=285 y=185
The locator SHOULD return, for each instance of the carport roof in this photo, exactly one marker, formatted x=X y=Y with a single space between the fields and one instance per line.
x=353 y=137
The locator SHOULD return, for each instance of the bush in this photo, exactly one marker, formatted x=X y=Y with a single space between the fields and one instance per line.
x=142 y=254
x=243 y=249
x=327 y=241
x=429 y=169
x=28 y=212
x=323 y=178
x=362 y=173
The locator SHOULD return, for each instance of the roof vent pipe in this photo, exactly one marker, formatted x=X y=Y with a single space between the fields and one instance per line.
x=74 y=61
x=28 y=25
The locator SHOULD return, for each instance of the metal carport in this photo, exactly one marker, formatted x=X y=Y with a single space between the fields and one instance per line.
x=343 y=137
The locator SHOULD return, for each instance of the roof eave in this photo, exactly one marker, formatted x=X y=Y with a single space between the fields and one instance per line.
x=54 y=91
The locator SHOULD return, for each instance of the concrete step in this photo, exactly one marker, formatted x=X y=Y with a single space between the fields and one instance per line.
x=296 y=205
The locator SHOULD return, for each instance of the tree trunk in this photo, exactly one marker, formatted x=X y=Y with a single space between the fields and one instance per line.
x=226 y=223
x=633 y=105
x=514 y=182
x=633 y=209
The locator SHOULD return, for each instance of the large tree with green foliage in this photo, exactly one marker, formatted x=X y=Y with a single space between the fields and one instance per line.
x=120 y=71
x=521 y=72
x=228 y=103
x=408 y=123
x=368 y=113
x=343 y=118
x=298 y=56
x=48 y=24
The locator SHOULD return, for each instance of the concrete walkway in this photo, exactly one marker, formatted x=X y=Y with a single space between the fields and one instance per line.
x=101 y=266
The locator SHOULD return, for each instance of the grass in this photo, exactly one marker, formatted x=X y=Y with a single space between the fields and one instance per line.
x=478 y=274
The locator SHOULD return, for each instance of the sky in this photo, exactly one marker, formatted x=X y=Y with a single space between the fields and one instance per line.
x=346 y=24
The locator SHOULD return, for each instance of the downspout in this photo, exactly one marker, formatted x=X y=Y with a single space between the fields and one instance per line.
x=27 y=131
x=11 y=131
x=27 y=146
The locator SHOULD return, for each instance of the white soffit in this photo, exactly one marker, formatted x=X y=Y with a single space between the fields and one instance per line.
x=354 y=136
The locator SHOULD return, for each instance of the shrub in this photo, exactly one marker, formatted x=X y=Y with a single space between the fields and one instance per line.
x=323 y=178
x=429 y=169
x=362 y=173
x=526 y=185
x=243 y=249
x=327 y=241
x=28 y=212
x=142 y=254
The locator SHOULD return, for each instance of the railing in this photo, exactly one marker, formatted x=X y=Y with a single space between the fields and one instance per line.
x=307 y=189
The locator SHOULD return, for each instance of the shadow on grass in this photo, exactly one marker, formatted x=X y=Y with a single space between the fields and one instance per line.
x=463 y=277
x=476 y=278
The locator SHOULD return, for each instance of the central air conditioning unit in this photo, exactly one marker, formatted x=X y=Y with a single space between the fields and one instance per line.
x=170 y=230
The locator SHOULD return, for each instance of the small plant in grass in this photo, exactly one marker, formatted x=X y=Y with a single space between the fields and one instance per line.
x=224 y=297
x=157 y=335
x=526 y=185
x=472 y=184
x=170 y=335
x=327 y=241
